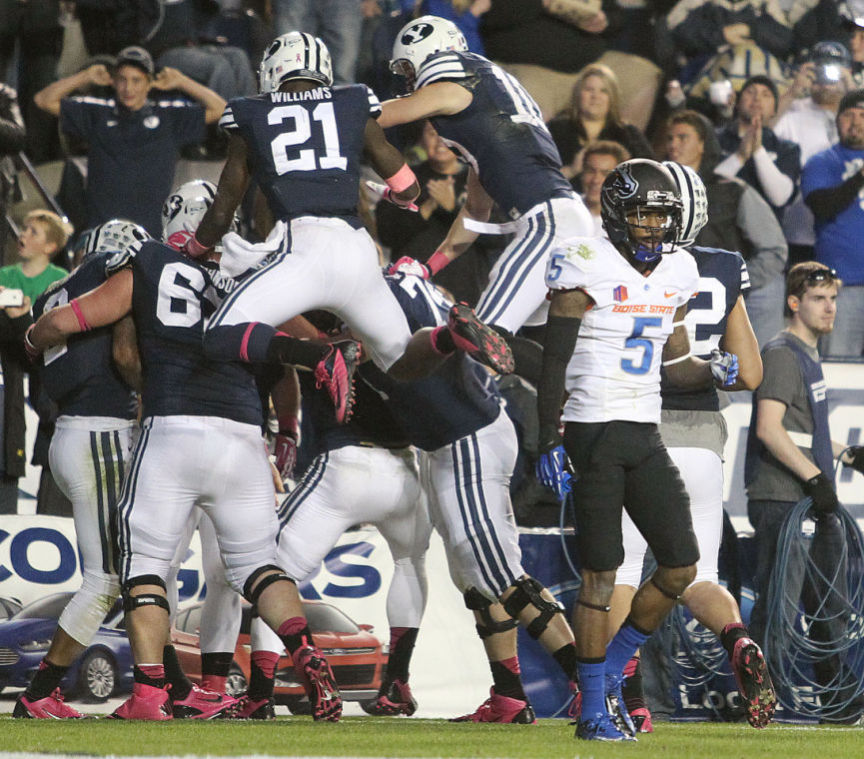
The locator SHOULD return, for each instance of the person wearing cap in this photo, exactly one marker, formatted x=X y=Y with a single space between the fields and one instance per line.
x=134 y=141
x=753 y=152
x=833 y=188
x=809 y=121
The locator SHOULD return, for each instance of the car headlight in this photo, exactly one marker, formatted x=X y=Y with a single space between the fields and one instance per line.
x=36 y=645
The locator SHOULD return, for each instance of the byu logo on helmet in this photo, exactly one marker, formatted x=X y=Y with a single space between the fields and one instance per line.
x=414 y=34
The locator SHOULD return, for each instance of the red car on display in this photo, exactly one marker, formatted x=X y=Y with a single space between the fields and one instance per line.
x=357 y=657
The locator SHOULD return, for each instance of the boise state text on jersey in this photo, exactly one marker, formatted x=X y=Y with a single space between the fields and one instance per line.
x=172 y=298
x=79 y=375
x=458 y=399
x=501 y=133
x=722 y=278
x=305 y=147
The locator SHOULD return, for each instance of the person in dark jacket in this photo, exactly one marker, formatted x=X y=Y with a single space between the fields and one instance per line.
x=738 y=219
x=595 y=114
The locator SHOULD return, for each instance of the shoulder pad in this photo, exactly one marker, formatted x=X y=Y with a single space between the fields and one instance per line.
x=122 y=258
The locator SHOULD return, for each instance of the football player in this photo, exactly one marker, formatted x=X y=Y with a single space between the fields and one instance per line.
x=467 y=446
x=488 y=118
x=694 y=433
x=363 y=472
x=89 y=453
x=301 y=140
x=625 y=299
x=200 y=445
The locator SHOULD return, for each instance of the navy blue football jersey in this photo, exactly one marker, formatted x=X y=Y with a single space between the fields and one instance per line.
x=457 y=400
x=79 y=375
x=172 y=297
x=305 y=147
x=501 y=134
x=722 y=278
x=371 y=423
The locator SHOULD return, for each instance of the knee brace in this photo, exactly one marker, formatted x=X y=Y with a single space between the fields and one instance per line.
x=476 y=601
x=87 y=608
x=527 y=591
x=252 y=591
x=130 y=602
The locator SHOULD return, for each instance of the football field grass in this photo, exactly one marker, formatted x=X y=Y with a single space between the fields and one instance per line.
x=382 y=737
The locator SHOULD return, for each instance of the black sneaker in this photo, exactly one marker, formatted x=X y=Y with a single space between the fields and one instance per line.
x=335 y=373
x=478 y=340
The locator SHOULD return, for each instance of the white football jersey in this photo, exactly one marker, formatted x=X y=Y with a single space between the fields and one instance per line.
x=614 y=373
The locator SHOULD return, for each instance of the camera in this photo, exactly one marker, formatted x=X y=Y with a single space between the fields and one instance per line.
x=11 y=297
x=828 y=73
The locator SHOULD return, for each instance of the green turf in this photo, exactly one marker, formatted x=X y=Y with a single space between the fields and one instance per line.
x=382 y=737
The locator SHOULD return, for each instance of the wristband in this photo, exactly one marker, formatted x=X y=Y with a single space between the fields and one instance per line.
x=195 y=249
x=79 y=315
x=437 y=261
x=402 y=179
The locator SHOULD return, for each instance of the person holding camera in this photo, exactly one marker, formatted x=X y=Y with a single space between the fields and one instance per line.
x=833 y=189
x=134 y=141
x=806 y=116
x=790 y=453
x=43 y=235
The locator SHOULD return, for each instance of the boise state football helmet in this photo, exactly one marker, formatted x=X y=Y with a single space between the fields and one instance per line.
x=641 y=209
x=295 y=55
x=419 y=39
x=694 y=202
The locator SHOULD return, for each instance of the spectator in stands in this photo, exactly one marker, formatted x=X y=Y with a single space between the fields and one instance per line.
x=442 y=178
x=833 y=188
x=753 y=152
x=738 y=219
x=12 y=140
x=751 y=36
x=181 y=41
x=337 y=22
x=44 y=234
x=852 y=22
x=546 y=43
x=599 y=160
x=466 y=14
x=595 y=114
x=134 y=141
x=31 y=36
x=809 y=120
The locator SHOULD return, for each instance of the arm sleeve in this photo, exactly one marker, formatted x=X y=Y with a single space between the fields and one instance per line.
x=778 y=187
x=760 y=226
x=822 y=194
x=729 y=166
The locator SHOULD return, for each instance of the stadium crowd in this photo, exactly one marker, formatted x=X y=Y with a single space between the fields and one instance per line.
x=524 y=205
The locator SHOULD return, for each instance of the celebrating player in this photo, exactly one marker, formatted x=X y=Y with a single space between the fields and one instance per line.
x=484 y=114
x=200 y=445
x=89 y=453
x=302 y=140
x=625 y=298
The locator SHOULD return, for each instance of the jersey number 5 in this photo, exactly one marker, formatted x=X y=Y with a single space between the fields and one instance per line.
x=638 y=341
x=301 y=134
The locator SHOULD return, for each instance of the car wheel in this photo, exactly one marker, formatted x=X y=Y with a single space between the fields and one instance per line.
x=236 y=685
x=298 y=705
x=97 y=677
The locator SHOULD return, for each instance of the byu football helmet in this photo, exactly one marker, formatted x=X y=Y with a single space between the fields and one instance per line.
x=114 y=235
x=646 y=190
x=419 y=39
x=295 y=55
x=694 y=202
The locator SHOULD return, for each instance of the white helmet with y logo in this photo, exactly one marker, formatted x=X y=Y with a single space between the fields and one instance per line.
x=421 y=38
